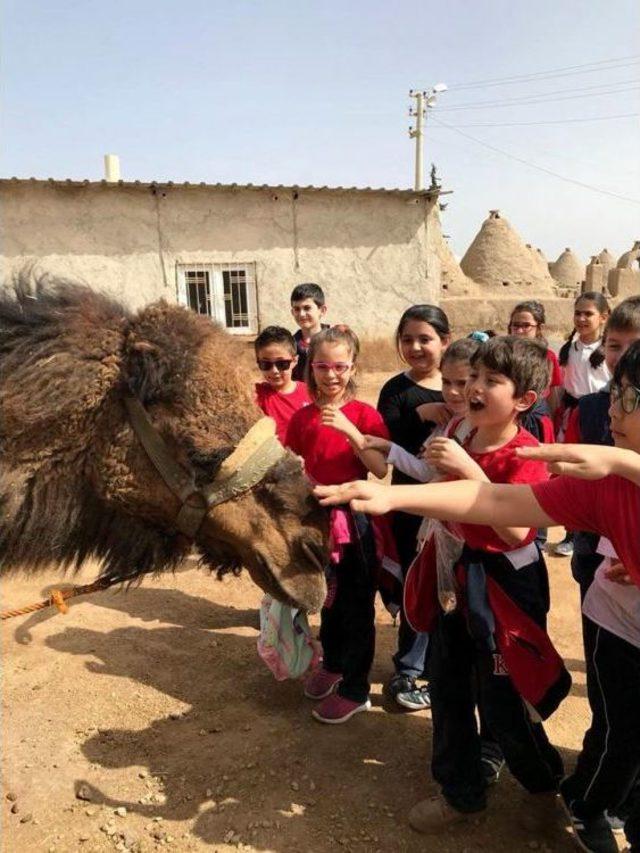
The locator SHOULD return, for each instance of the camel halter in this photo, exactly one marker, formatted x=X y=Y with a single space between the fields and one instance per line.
x=253 y=457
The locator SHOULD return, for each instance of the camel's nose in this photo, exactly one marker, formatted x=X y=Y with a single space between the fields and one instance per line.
x=315 y=553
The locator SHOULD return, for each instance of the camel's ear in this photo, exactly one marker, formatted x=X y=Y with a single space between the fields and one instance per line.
x=144 y=346
x=146 y=370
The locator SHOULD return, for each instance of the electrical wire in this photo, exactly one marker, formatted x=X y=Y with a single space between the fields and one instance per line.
x=566 y=71
x=543 y=97
x=550 y=121
x=531 y=165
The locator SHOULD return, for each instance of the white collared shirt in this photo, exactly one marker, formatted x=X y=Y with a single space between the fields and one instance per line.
x=580 y=377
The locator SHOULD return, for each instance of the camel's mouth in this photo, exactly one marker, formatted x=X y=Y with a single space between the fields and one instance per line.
x=275 y=588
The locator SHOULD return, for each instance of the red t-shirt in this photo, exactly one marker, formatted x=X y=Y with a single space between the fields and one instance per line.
x=328 y=456
x=610 y=507
x=503 y=466
x=281 y=407
x=572 y=433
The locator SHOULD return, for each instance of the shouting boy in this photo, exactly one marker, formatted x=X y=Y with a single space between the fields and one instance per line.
x=502 y=590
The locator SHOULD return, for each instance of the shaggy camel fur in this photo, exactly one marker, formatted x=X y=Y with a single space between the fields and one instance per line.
x=75 y=482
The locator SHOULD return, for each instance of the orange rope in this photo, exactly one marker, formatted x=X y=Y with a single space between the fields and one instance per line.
x=58 y=598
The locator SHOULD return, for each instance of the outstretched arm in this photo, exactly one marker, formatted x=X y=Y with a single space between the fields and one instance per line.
x=589 y=462
x=464 y=500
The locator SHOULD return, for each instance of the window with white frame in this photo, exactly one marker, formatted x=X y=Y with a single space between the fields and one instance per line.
x=224 y=292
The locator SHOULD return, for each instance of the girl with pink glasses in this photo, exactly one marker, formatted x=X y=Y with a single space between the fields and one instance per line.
x=329 y=436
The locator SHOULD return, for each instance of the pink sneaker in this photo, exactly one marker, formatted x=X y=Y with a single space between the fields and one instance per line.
x=336 y=709
x=321 y=683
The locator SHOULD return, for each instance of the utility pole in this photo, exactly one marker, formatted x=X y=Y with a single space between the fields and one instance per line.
x=424 y=100
x=417 y=133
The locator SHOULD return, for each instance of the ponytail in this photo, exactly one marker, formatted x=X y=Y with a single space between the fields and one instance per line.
x=563 y=355
x=597 y=357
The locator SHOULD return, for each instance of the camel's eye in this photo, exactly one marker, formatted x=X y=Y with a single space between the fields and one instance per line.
x=207 y=464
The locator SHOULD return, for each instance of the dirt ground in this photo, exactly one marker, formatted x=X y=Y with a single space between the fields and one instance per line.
x=153 y=706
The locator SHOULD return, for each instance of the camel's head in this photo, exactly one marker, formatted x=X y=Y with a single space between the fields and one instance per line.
x=194 y=381
x=277 y=531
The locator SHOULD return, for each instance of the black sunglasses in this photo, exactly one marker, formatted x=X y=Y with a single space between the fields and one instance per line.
x=280 y=364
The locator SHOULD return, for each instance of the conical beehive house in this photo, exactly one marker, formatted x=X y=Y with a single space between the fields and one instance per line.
x=498 y=258
x=453 y=281
x=568 y=270
x=607 y=260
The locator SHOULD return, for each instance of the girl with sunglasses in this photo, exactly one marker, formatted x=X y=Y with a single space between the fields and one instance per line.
x=329 y=436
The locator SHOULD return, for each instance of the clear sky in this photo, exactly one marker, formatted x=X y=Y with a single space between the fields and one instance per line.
x=316 y=93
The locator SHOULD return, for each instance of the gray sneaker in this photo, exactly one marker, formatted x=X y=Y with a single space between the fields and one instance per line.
x=564 y=548
x=417 y=699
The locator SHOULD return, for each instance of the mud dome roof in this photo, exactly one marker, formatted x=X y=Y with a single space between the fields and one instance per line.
x=626 y=260
x=568 y=270
x=607 y=259
x=499 y=258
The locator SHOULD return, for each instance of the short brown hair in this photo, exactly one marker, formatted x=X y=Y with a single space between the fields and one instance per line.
x=275 y=335
x=522 y=360
x=335 y=335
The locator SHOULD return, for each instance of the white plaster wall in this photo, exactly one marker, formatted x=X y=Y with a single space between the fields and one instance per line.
x=374 y=254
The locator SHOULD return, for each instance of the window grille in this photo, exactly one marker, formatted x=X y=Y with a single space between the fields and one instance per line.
x=224 y=292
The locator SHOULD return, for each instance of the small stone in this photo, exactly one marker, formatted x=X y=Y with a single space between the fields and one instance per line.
x=208 y=793
x=84 y=793
x=11 y=796
x=84 y=837
x=312 y=785
x=175 y=715
x=143 y=774
x=26 y=818
x=15 y=808
x=295 y=786
x=120 y=811
x=90 y=812
x=157 y=819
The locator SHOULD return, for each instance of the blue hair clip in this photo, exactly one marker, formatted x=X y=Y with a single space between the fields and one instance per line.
x=481 y=337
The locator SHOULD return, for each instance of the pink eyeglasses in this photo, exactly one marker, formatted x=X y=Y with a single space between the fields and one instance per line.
x=338 y=367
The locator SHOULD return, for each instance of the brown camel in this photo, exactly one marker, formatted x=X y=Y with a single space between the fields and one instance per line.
x=75 y=481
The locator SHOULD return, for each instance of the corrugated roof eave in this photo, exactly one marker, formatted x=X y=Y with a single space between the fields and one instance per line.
x=69 y=182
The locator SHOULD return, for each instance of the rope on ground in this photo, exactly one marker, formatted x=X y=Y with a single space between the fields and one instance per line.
x=59 y=597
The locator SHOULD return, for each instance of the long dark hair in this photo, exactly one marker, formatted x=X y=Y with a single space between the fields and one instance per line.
x=602 y=305
x=424 y=313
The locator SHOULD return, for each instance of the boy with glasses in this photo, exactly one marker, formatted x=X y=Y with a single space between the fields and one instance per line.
x=280 y=395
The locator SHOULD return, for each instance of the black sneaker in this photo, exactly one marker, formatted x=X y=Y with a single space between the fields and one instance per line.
x=492 y=762
x=399 y=683
x=616 y=822
x=417 y=699
x=592 y=834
